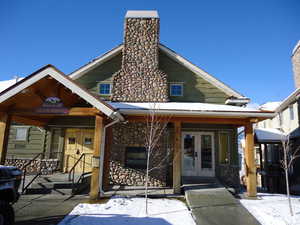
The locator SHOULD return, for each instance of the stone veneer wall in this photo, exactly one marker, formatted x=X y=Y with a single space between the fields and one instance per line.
x=133 y=135
x=296 y=64
x=48 y=166
x=229 y=175
x=139 y=79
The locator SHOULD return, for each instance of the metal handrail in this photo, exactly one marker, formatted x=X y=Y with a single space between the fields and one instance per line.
x=24 y=169
x=72 y=170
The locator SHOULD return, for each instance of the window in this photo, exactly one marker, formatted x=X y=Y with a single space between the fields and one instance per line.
x=88 y=141
x=176 y=89
x=136 y=157
x=224 y=148
x=291 y=112
x=21 y=133
x=105 y=89
x=71 y=140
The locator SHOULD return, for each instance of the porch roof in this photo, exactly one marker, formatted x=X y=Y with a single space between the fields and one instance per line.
x=189 y=108
x=30 y=92
x=268 y=135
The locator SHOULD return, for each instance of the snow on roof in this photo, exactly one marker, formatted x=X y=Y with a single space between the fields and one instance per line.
x=7 y=83
x=269 y=135
x=187 y=108
x=180 y=106
x=141 y=14
x=270 y=106
x=296 y=48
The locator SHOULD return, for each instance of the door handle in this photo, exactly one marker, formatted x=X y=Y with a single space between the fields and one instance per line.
x=196 y=154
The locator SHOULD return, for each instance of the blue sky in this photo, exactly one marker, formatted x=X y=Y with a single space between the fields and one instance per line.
x=246 y=44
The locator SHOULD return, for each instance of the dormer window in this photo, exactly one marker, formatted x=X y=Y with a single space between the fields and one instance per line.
x=105 y=88
x=176 y=89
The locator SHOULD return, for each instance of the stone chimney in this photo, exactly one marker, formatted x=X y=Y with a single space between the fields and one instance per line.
x=139 y=79
x=296 y=64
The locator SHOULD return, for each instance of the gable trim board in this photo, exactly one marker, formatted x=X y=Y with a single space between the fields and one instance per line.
x=96 y=62
x=181 y=60
x=50 y=70
x=294 y=96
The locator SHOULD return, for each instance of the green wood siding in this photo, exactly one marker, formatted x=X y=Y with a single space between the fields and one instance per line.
x=195 y=88
x=26 y=149
x=102 y=73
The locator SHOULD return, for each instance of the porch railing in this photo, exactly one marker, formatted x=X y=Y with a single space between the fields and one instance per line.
x=24 y=169
x=72 y=170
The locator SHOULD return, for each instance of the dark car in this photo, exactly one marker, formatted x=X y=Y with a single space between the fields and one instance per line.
x=10 y=179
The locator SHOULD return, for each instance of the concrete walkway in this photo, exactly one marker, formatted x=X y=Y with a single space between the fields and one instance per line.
x=45 y=209
x=216 y=206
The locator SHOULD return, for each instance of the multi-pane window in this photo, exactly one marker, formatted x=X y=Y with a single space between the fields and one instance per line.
x=105 y=88
x=176 y=89
x=224 y=148
x=291 y=109
x=21 y=133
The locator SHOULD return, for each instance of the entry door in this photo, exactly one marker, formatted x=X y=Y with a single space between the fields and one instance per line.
x=198 y=154
x=78 y=142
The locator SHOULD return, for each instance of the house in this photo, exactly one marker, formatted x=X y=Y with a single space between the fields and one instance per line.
x=99 y=115
x=270 y=133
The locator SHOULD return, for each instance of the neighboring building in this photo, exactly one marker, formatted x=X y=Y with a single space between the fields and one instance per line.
x=100 y=111
x=271 y=132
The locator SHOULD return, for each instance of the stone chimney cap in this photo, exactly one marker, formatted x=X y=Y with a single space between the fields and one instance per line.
x=142 y=14
x=296 y=48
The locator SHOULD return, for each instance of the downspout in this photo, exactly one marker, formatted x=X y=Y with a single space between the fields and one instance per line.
x=118 y=118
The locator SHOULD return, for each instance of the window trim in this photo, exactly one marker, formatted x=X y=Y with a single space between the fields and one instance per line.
x=176 y=83
x=110 y=88
x=26 y=135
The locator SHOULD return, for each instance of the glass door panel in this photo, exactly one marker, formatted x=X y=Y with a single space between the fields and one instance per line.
x=189 y=155
x=206 y=151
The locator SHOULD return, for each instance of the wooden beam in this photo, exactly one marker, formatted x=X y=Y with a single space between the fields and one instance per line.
x=106 y=166
x=5 y=121
x=203 y=120
x=75 y=111
x=94 y=192
x=177 y=158
x=250 y=161
x=29 y=121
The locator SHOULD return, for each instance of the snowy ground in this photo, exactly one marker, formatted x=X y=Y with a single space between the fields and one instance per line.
x=272 y=209
x=130 y=211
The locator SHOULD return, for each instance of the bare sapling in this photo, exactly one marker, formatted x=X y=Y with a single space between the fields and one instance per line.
x=289 y=156
x=155 y=131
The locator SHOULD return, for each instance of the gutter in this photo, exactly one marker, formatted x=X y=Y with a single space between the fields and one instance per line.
x=117 y=117
x=201 y=113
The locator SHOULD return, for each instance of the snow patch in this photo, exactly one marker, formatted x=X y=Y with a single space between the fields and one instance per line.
x=273 y=209
x=270 y=106
x=130 y=211
x=7 y=83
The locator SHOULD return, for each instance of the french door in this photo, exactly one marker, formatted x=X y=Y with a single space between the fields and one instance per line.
x=198 y=158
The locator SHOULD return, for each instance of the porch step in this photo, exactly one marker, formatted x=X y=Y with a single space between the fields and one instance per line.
x=57 y=184
x=191 y=183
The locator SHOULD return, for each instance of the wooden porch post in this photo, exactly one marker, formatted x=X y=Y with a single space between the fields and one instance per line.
x=177 y=157
x=106 y=167
x=5 y=120
x=250 y=161
x=94 y=192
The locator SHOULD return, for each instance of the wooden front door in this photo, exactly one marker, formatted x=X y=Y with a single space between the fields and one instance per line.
x=78 y=142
